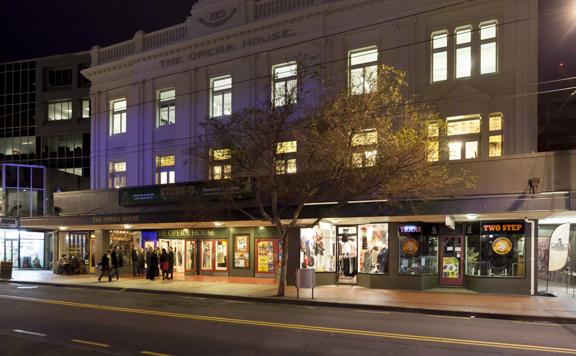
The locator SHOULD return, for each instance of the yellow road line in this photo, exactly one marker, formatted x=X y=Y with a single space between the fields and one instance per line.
x=153 y=353
x=91 y=343
x=430 y=339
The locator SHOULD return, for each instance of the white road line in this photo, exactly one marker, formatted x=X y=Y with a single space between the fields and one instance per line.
x=27 y=287
x=91 y=343
x=372 y=311
x=535 y=323
x=28 y=332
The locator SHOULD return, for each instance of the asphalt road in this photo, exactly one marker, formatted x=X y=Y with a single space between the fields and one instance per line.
x=67 y=321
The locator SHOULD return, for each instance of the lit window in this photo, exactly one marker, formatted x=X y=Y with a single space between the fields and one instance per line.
x=284 y=83
x=363 y=70
x=166 y=114
x=117 y=116
x=471 y=150
x=463 y=126
x=488 y=47
x=433 y=145
x=220 y=167
x=85 y=108
x=286 y=147
x=439 y=56
x=454 y=150
x=61 y=110
x=364 y=149
x=117 y=174
x=464 y=133
x=463 y=52
x=285 y=157
x=165 y=172
x=221 y=96
x=495 y=138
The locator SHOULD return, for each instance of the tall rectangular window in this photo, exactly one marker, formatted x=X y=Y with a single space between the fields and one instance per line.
x=117 y=116
x=166 y=108
x=165 y=169
x=464 y=52
x=220 y=167
x=221 y=96
x=488 y=47
x=117 y=174
x=60 y=110
x=463 y=137
x=363 y=70
x=286 y=157
x=495 y=138
x=284 y=83
x=364 y=149
x=85 y=108
x=433 y=144
x=439 y=56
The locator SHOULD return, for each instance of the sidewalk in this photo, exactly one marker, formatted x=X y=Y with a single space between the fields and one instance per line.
x=441 y=301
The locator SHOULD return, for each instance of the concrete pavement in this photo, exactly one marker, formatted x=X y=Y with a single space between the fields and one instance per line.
x=443 y=301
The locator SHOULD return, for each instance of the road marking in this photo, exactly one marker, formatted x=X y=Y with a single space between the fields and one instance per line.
x=27 y=287
x=91 y=343
x=363 y=333
x=372 y=311
x=535 y=323
x=153 y=353
x=450 y=317
x=28 y=332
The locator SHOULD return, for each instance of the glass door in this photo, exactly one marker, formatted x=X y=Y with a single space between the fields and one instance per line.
x=11 y=252
x=347 y=237
x=190 y=257
x=451 y=261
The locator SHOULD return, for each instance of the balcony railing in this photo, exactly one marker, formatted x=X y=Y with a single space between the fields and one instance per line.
x=269 y=8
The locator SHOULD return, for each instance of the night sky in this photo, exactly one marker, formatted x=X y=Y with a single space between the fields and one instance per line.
x=38 y=28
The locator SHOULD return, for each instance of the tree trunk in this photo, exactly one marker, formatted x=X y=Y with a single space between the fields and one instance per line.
x=283 y=264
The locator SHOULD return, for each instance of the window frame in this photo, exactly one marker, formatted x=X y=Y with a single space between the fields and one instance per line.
x=285 y=81
x=165 y=170
x=285 y=161
x=114 y=174
x=122 y=117
x=442 y=34
x=366 y=86
x=52 y=107
x=82 y=102
x=462 y=46
x=364 y=154
x=214 y=93
x=169 y=104
x=487 y=41
x=496 y=133
x=464 y=138
x=220 y=164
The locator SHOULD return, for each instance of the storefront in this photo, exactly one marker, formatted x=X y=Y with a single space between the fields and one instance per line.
x=125 y=241
x=25 y=249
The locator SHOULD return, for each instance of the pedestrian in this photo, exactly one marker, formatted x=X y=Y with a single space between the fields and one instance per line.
x=115 y=261
x=158 y=253
x=141 y=261
x=152 y=266
x=164 y=264
x=171 y=263
x=134 y=258
x=105 y=265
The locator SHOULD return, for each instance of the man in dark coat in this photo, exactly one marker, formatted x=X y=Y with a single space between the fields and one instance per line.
x=134 y=258
x=115 y=261
x=105 y=264
x=171 y=263
x=152 y=265
x=140 y=264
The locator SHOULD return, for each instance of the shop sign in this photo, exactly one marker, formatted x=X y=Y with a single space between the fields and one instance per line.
x=451 y=222
x=410 y=229
x=9 y=222
x=558 y=251
x=179 y=193
x=502 y=246
x=191 y=233
x=410 y=246
x=115 y=219
x=512 y=228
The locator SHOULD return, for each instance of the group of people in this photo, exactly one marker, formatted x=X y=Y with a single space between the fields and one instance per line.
x=153 y=261
x=69 y=265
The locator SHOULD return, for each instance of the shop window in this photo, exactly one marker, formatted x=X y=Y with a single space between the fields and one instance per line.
x=165 y=169
x=418 y=253
x=124 y=241
x=439 y=56
x=166 y=114
x=214 y=255
x=31 y=250
x=373 y=256
x=286 y=157
x=318 y=248
x=488 y=47
x=284 y=84
x=221 y=96
x=85 y=108
x=117 y=116
x=463 y=52
x=495 y=138
x=220 y=167
x=60 y=110
x=117 y=175
x=364 y=150
x=499 y=251
x=363 y=70
x=463 y=137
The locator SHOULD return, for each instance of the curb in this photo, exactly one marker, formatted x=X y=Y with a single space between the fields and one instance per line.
x=320 y=303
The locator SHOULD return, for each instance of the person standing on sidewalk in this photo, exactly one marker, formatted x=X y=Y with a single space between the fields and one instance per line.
x=114 y=257
x=152 y=265
x=134 y=258
x=164 y=264
x=140 y=262
x=105 y=265
x=171 y=263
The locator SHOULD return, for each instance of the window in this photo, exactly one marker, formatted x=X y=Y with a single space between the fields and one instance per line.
x=220 y=167
x=117 y=175
x=166 y=114
x=363 y=70
x=364 y=149
x=61 y=110
x=463 y=137
x=464 y=52
x=498 y=251
x=418 y=251
x=165 y=173
x=495 y=138
x=318 y=247
x=284 y=83
x=439 y=56
x=373 y=256
x=85 y=108
x=60 y=77
x=433 y=144
x=488 y=47
x=285 y=157
x=117 y=116
x=221 y=96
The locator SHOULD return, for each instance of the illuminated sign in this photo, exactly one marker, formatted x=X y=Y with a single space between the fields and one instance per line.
x=410 y=229
x=502 y=246
x=514 y=228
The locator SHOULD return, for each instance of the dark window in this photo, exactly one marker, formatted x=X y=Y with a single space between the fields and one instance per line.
x=59 y=77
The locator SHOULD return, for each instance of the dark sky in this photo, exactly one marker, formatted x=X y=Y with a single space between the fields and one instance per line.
x=38 y=28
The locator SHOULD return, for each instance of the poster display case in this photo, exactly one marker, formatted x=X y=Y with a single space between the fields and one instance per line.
x=241 y=251
x=266 y=255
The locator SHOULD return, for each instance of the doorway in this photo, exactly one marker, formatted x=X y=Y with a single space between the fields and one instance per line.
x=451 y=261
x=179 y=254
x=11 y=252
x=347 y=252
